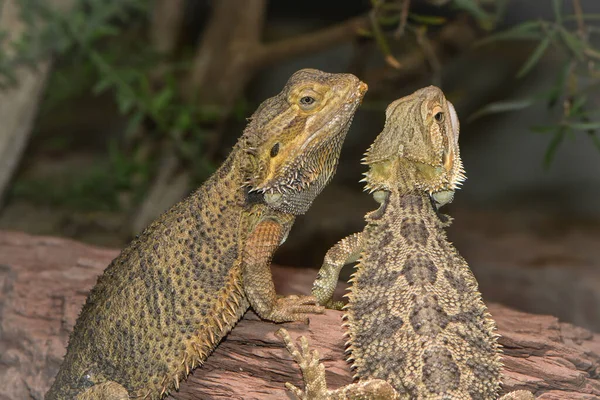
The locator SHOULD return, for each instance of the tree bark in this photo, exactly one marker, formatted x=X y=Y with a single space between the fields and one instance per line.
x=19 y=104
x=45 y=280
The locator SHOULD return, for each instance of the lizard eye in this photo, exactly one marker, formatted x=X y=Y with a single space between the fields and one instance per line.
x=275 y=150
x=307 y=102
x=439 y=117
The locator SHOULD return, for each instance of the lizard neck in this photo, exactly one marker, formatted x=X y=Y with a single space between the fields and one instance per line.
x=229 y=180
x=397 y=205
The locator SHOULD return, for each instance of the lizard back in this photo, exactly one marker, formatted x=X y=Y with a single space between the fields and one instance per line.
x=415 y=316
x=166 y=300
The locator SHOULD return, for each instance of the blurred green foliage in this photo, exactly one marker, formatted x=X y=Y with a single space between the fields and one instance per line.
x=103 y=48
x=570 y=34
x=93 y=188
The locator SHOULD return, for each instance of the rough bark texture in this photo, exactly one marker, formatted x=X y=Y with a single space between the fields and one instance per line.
x=44 y=281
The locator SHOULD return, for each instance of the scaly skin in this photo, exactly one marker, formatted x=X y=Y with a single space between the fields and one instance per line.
x=417 y=326
x=166 y=301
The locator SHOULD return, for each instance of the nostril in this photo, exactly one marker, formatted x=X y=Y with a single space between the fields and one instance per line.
x=362 y=88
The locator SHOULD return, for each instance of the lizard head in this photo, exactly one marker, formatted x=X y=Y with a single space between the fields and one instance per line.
x=293 y=141
x=418 y=147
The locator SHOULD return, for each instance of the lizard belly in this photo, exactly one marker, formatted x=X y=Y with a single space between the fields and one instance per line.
x=415 y=317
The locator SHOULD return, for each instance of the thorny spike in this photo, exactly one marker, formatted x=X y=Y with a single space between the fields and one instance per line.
x=218 y=322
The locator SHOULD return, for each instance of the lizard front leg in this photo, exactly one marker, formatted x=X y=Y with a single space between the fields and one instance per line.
x=344 y=252
x=258 y=281
x=315 y=384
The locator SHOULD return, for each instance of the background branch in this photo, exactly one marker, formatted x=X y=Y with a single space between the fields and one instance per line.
x=310 y=42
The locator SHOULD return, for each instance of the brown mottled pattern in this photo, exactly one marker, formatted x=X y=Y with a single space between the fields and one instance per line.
x=146 y=319
x=172 y=294
x=417 y=326
x=426 y=333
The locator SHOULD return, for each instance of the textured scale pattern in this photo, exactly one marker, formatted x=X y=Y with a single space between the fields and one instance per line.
x=174 y=292
x=415 y=316
x=416 y=324
x=151 y=324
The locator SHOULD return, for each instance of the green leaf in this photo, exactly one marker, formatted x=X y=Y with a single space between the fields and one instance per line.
x=162 y=99
x=500 y=107
x=133 y=125
x=184 y=120
x=427 y=19
x=588 y=17
x=534 y=58
x=559 y=85
x=573 y=43
x=584 y=126
x=125 y=102
x=577 y=106
x=591 y=52
x=484 y=19
x=103 y=31
x=102 y=86
x=556 y=140
x=526 y=31
x=557 y=6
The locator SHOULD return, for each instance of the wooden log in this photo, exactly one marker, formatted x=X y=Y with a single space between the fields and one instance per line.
x=45 y=280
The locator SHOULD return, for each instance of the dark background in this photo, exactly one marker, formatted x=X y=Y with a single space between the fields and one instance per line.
x=527 y=219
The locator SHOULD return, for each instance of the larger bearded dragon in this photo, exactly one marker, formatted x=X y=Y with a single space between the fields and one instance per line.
x=167 y=300
x=417 y=326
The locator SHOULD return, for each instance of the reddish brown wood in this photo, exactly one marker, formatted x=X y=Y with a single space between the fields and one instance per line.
x=44 y=281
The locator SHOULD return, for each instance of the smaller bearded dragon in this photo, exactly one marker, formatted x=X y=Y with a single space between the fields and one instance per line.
x=417 y=326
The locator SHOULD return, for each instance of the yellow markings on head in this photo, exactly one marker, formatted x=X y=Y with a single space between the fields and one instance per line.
x=309 y=99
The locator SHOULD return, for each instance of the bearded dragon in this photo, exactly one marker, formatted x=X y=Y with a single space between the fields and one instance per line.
x=417 y=326
x=174 y=292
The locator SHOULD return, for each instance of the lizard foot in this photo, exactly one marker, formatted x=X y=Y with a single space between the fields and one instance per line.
x=313 y=372
x=335 y=305
x=294 y=308
x=518 y=395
